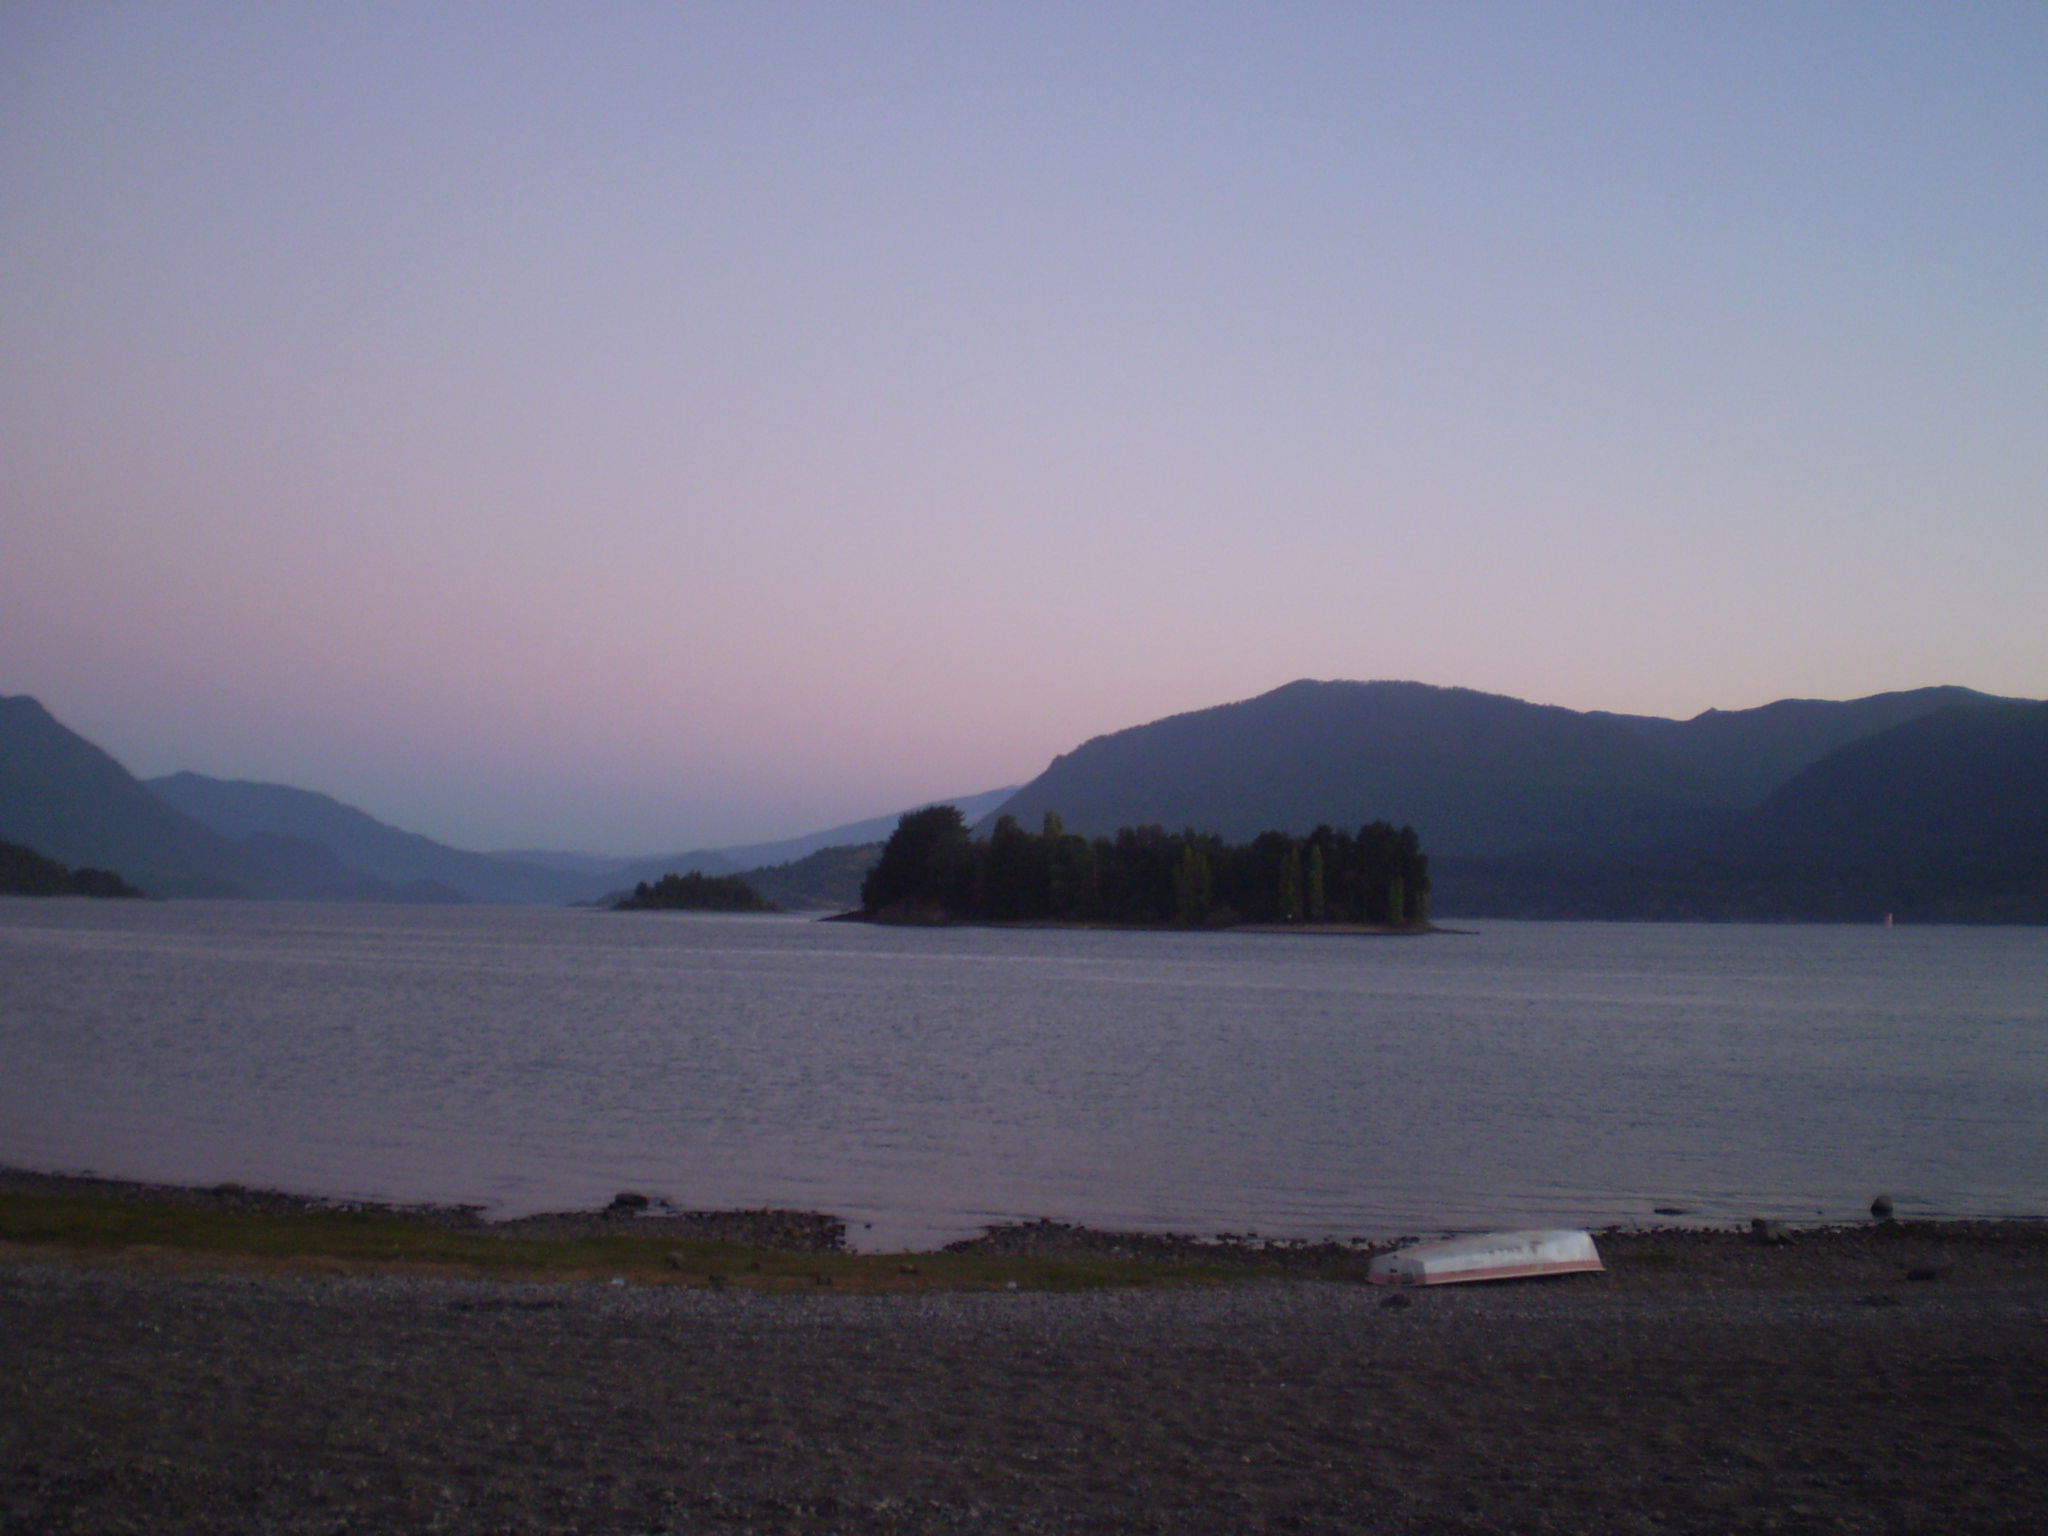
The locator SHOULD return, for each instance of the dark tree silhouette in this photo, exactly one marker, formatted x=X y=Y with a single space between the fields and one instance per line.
x=695 y=892
x=928 y=863
x=24 y=872
x=931 y=870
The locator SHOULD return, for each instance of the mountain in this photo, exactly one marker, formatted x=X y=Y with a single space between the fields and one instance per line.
x=1750 y=752
x=751 y=857
x=1926 y=803
x=820 y=871
x=827 y=880
x=1474 y=773
x=70 y=801
x=1943 y=818
x=1535 y=811
x=1478 y=775
x=241 y=809
x=596 y=865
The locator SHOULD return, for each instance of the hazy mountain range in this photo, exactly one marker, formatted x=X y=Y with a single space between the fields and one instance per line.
x=70 y=801
x=241 y=811
x=1479 y=775
x=746 y=857
x=1942 y=818
x=1931 y=803
x=187 y=834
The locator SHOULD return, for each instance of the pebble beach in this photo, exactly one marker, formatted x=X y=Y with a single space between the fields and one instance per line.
x=1878 y=1380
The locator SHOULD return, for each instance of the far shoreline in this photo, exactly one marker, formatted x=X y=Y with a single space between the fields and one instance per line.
x=1072 y=925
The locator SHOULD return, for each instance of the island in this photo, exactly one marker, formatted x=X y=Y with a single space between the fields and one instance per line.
x=933 y=870
x=695 y=892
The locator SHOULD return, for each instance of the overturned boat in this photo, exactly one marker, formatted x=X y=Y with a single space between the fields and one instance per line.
x=1488 y=1256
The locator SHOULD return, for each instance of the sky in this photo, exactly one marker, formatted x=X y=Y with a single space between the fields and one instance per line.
x=642 y=426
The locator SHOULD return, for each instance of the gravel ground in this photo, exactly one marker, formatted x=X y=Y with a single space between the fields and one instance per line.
x=1720 y=1389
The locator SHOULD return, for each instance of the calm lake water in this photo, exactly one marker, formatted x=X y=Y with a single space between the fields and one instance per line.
x=926 y=1082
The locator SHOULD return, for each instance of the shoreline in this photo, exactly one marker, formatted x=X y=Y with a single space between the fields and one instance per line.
x=1070 y=925
x=1731 y=1248
x=1042 y=1379
x=1654 y=1399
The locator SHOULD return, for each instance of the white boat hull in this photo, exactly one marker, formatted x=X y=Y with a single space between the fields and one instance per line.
x=1488 y=1256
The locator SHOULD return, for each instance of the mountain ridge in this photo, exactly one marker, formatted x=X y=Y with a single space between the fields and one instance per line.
x=247 y=808
x=69 y=800
x=1479 y=775
x=243 y=808
x=741 y=858
x=1526 y=809
x=1353 y=752
x=1941 y=818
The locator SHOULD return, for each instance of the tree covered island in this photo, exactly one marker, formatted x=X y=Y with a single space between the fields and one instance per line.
x=695 y=892
x=932 y=870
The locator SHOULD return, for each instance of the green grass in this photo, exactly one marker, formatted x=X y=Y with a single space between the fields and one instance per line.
x=339 y=1242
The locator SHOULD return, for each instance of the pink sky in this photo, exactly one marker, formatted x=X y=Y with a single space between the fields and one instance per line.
x=649 y=426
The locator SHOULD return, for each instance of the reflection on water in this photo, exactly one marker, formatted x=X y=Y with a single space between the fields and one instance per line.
x=929 y=1081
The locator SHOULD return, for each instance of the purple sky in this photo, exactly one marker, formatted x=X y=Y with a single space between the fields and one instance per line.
x=642 y=425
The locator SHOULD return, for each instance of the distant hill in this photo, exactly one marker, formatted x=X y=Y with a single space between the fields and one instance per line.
x=188 y=834
x=596 y=865
x=1474 y=773
x=1478 y=775
x=795 y=873
x=748 y=857
x=240 y=809
x=1748 y=753
x=1925 y=803
x=825 y=881
x=1943 y=818
x=70 y=801
x=1532 y=810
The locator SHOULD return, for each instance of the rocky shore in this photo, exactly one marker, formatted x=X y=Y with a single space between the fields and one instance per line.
x=1886 y=1379
x=789 y=1231
x=134 y=1401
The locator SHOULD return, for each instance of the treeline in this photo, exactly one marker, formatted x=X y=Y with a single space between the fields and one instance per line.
x=24 y=872
x=932 y=870
x=695 y=892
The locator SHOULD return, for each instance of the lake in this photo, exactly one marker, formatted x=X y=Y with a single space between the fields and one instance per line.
x=924 y=1082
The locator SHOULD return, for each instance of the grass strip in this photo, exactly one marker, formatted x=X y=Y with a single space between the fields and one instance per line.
x=111 y=1230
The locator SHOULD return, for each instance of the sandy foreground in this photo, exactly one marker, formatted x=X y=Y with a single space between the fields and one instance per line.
x=1705 y=1384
